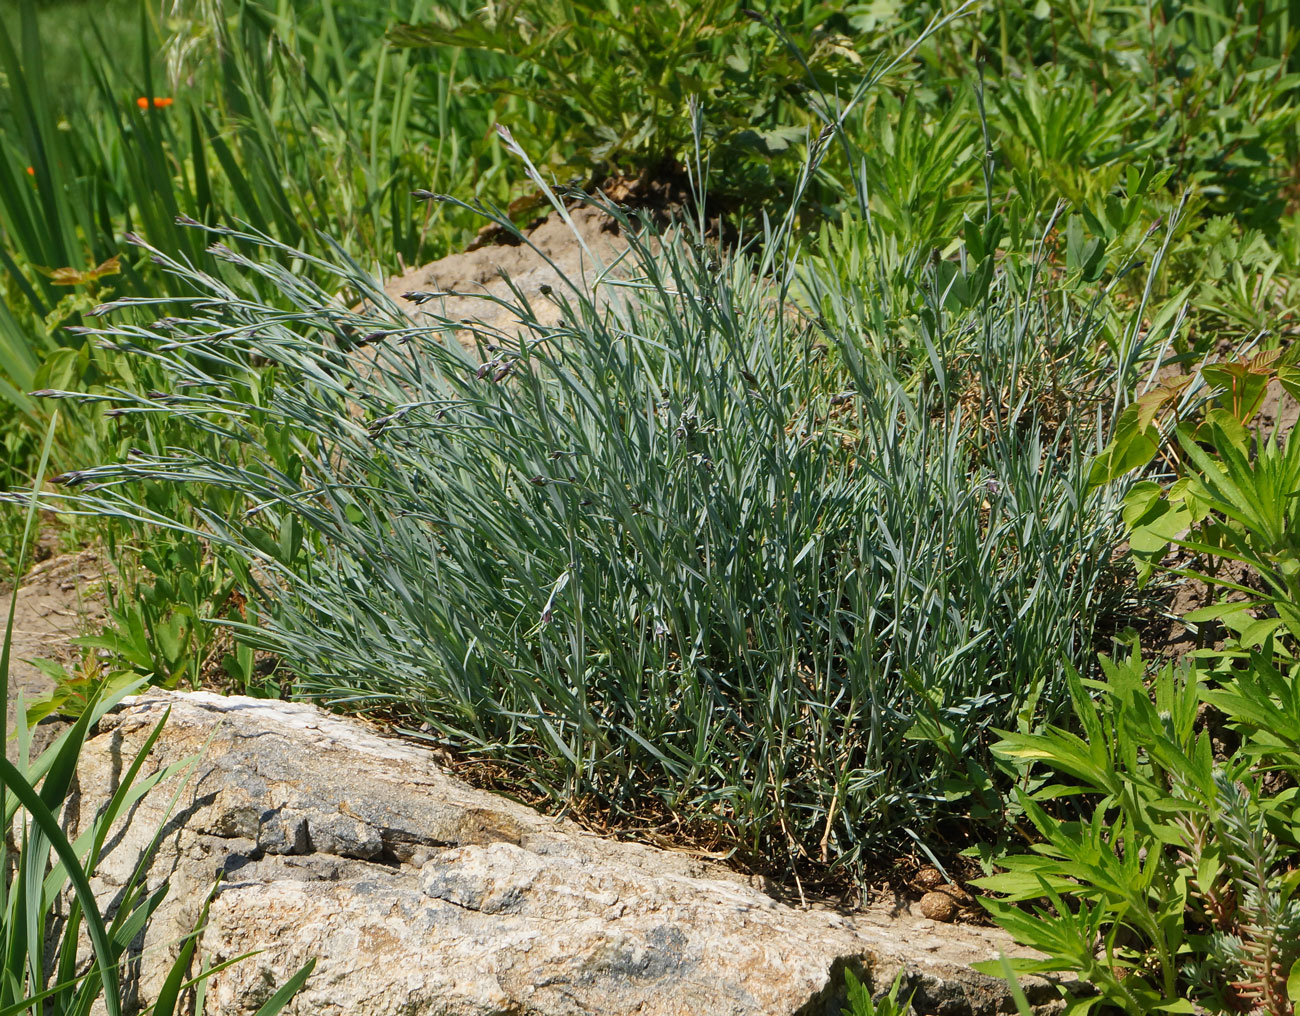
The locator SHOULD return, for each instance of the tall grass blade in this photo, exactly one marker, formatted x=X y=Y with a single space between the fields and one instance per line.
x=284 y=994
x=48 y=824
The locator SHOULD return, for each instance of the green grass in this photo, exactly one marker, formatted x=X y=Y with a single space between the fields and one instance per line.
x=795 y=548
x=73 y=35
x=294 y=131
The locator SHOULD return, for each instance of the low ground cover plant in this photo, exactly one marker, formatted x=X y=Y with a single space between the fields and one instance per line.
x=1174 y=884
x=1166 y=871
x=607 y=85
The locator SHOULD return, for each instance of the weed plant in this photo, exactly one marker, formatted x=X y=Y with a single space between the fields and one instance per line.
x=861 y=1002
x=1166 y=872
x=1173 y=884
x=602 y=87
x=1078 y=92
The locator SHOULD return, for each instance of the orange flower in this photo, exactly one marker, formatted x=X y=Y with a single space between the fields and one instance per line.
x=143 y=102
x=31 y=170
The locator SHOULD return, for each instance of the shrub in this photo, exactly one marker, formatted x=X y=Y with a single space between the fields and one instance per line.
x=679 y=556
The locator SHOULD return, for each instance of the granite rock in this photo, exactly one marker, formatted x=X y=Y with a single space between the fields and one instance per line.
x=420 y=895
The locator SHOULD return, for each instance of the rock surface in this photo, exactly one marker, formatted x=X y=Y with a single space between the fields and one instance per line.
x=420 y=895
x=557 y=262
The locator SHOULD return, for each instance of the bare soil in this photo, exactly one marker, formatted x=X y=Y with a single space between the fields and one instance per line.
x=60 y=598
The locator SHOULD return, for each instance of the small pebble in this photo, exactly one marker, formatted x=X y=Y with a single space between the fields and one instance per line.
x=929 y=878
x=938 y=906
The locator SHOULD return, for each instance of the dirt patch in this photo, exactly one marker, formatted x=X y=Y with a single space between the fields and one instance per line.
x=60 y=598
x=482 y=288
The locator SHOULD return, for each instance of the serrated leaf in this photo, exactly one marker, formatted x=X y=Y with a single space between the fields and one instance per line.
x=1152 y=403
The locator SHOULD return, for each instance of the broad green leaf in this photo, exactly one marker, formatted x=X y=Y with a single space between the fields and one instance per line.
x=1289 y=378
x=1131 y=447
x=1243 y=387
